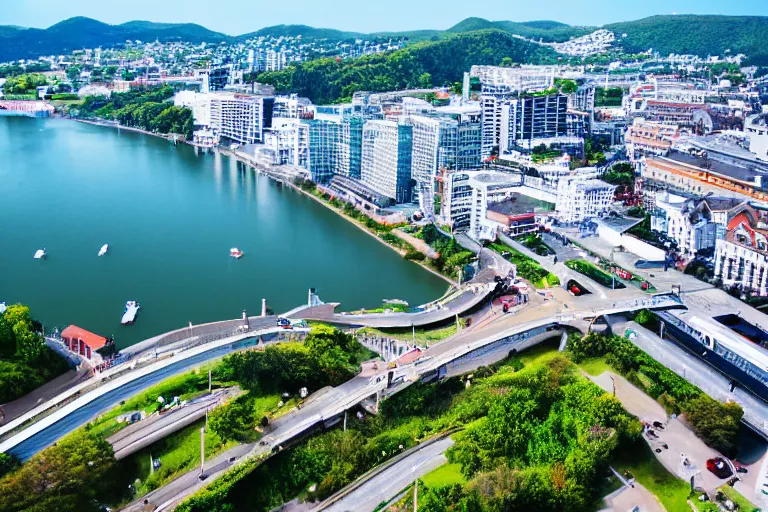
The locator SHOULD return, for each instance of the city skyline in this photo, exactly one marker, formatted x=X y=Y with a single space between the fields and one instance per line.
x=236 y=17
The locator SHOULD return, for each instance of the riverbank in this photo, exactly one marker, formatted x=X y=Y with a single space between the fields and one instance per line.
x=118 y=126
x=282 y=179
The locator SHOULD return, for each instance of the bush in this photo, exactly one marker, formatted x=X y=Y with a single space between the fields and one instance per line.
x=415 y=255
x=715 y=423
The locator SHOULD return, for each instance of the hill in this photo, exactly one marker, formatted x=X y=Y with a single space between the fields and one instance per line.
x=699 y=35
x=548 y=31
x=424 y=64
x=306 y=32
x=80 y=32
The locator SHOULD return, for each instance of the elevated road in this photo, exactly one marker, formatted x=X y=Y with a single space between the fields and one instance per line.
x=145 y=432
x=329 y=406
x=77 y=409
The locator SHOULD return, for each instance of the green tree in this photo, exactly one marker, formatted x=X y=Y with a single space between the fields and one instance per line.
x=234 y=421
x=69 y=476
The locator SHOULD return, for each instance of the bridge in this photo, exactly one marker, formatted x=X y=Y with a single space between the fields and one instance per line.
x=458 y=354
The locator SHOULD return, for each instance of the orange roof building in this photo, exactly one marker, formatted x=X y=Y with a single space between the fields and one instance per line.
x=83 y=342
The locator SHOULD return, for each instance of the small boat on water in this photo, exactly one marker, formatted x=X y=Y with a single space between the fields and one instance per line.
x=40 y=254
x=103 y=250
x=131 y=310
x=236 y=253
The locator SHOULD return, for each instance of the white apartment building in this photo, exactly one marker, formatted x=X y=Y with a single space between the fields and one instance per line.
x=756 y=128
x=494 y=79
x=579 y=199
x=199 y=103
x=741 y=258
x=695 y=224
x=466 y=196
x=288 y=138
x=239 y=117
x=386 y=159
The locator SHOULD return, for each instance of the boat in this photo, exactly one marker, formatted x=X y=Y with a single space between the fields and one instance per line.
x=103 y=250
x=236 y=253
x=131 y=310
x=40 y=254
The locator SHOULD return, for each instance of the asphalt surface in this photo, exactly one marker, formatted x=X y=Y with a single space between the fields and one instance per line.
x=82 y=410
x=317 y=409
x=392 y=480
x=699 y=373
x=145 y=432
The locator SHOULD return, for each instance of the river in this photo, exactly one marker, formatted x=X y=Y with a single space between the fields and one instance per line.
x=170 y=217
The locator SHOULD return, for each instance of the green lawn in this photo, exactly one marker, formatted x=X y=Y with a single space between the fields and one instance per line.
x=595 y=366
x=671 y=491
x=735 y=496
x=186 y=386
x=178 y=453
x=447 y=474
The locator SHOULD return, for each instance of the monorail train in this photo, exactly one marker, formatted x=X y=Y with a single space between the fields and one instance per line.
x=740 y=359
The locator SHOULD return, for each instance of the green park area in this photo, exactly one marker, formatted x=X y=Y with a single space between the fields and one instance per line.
x=595 y=273
x=527 y=268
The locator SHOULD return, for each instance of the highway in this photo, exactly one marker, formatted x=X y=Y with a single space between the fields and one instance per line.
x=388 y=483
x=82 y=409
x=155 y=427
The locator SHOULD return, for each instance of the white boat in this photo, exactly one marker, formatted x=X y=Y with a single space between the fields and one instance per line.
x=103 y=250
x=40 y=254
x=131 y=310
x=236 y=253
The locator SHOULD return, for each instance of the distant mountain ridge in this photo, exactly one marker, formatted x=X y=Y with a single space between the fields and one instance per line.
x=699 y=35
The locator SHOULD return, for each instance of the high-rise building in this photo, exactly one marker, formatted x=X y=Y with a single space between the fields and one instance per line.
x=386 y=159
x=241 y=118
x=523 y=122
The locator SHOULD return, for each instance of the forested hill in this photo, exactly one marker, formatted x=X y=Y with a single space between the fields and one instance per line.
x=698 y=35
x=79 y=33
x=548 y=31
x=420 y=65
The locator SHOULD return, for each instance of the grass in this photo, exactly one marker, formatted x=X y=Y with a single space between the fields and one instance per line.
x=594 y=272
x=186 y=386
x=671 y=491
x=178 y=453
x=595 y=366
x=742 y=503
x=527 y=268
x=447 y=474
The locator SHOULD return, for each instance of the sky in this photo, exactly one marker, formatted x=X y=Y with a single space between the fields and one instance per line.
x=236 y=17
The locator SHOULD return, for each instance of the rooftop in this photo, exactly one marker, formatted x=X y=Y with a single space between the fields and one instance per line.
x=619 y=224
x=730 y=170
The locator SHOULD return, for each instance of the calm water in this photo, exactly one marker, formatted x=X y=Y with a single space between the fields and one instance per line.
x=170 y=218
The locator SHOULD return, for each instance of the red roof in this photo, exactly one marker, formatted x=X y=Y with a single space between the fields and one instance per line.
x=74 y=332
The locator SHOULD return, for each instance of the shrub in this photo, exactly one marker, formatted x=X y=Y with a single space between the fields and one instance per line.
x=414 y=255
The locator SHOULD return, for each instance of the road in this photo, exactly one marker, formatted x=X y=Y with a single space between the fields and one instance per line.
x=145 y=432
x=82 y=409
x=388 y=483
x=321 y=406
x=700 y=374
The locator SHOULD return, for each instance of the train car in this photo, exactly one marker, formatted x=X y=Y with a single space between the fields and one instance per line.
x=740 y=359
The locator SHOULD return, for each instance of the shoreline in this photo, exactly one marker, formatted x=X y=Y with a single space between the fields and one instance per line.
x=359 y=225
x=119 y=127
x=236 y=156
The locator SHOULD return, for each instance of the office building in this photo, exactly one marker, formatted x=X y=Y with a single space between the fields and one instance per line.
x=467 y=196
x=386 y=159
